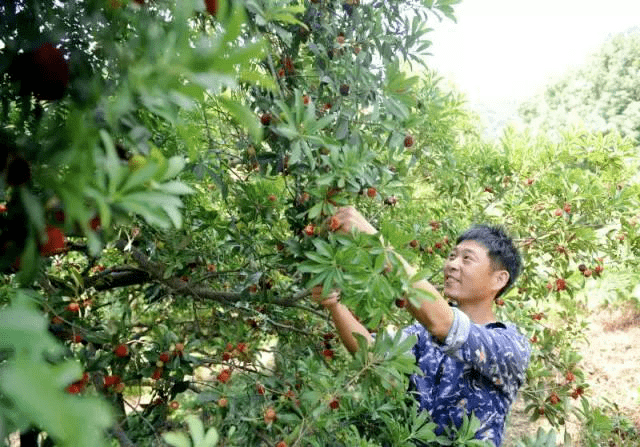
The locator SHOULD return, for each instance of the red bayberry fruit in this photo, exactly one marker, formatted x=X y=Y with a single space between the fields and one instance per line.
x=340 y=39
x=111 y=380
x=499 y=302
x=561 y=284
x=557 y=212
x=554 y=399
x=334 y=404
x=75 y=388
x=46 y=73
x=413 y=243
x=488 y=189
x=328 y=354
x=174 y=404
x=55 y=242
x=306 y=100
x=95 y=223
x=212 y=7
x=121 y=351
x=270 y=415
x=272 y=198
x=334 y=223
x=570 y=376
x=223 y=402
x=164 y=357
x=3 y=208
x=265 y=119
x=344 y=89
x=599 y=268
x=401 y=302
x=371 y=192
x=224 y=375
x=260 y=389
x=567 y=207
x=582 y=267
x=309 y=230
x=281 y=444
x=530 y=181
x=327 y=107
x=157 y=373
x=73 y=307
x=408 y=141
x=587 y=273
x=579 y=391
x=77 y=338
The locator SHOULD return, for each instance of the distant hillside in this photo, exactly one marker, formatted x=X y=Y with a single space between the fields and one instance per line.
x=603 y=94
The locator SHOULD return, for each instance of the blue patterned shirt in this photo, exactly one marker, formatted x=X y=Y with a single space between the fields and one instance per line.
x=478 y=368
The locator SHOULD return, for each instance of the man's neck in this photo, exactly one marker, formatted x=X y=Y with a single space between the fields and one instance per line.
x=480 y=312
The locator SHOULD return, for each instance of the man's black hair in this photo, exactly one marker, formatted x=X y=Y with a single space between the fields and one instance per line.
x=501 y=250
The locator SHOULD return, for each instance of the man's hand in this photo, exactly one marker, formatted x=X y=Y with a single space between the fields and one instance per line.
x=349 y=218
x=327 y=301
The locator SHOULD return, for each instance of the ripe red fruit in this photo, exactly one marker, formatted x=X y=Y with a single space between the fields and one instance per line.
x=582 y=267
x=55 y=242
x=111 y=380
x=270 y=415
x=260 y=389
x=241 y=347
x=413 y=243
x=73 y=307
x=408 y=141
x=570 y=376
x=587 y=273
x=265 y=119
x=579 y=391
x=121 y=351
x=538 y=316
x=328 y=354
x=306 y=100
x=164 y=357
x=179 y=349
x=281 y=444
x=530 y=181
x=554 y=399
x=488 y=189
x=157 y=373
x=212 y=7
x=45 y=72
x=95 y=223
x=334 y=404
x=561 y=284
x=599 y=268
x=371 y=192
x=3 y=208
x=567 y=207
x=272 y=198
x=174 y=404
x=223 y=402
x=327 y=107
x=438 y=245
x=334 y=223
x=499 y=302
x=401 y=302
x=224 y=375
x=557 y=212
x=77 y=338
x=75 y=388
x=344 y=89
x=309 y=230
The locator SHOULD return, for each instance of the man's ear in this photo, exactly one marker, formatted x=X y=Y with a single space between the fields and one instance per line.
x=500 y=279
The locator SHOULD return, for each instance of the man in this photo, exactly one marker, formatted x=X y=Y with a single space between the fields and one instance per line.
x=471 y=362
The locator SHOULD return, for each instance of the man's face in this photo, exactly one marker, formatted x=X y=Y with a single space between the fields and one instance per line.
x=468 y=273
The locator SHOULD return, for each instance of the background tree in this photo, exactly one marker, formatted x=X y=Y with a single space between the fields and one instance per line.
x=602 y=94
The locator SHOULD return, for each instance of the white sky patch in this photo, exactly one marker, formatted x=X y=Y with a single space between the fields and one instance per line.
x=509 y=49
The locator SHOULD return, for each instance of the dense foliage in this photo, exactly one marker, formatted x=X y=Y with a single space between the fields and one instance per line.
x=165 y=206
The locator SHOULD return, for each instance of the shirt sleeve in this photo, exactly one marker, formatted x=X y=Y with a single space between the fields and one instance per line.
x=498 y=352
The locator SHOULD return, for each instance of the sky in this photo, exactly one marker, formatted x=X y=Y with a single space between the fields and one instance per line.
x=507 y=50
